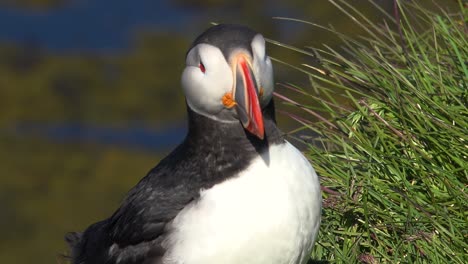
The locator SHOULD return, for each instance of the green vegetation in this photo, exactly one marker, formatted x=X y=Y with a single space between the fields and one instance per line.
x=393 y=161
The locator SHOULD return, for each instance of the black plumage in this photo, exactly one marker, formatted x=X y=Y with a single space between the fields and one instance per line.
x=227 y=38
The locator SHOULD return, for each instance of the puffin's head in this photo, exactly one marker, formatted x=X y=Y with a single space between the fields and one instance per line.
x=228 y=76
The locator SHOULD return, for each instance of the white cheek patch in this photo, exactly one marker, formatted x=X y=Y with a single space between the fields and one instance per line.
x=204 y=91
x=263 y=68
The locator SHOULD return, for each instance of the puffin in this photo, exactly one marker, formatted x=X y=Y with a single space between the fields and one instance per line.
x=235 y=191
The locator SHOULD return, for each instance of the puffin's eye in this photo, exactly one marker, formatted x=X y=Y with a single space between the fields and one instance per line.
x=202 y=67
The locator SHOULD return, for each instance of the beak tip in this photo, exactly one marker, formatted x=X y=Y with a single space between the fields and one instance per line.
x=257 y=130
x=261 y=136
x=261 y=132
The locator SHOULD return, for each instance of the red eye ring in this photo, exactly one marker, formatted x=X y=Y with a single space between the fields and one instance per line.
x=202 y=67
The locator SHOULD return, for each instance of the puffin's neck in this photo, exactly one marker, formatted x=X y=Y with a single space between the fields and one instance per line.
x=204 y=131
x=214 y=151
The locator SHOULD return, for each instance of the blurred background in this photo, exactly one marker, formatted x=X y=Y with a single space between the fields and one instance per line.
x=90 y=99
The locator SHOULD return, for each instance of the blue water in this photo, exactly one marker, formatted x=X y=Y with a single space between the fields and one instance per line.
x=133 y=136
x=102 y=25
x=105 y=26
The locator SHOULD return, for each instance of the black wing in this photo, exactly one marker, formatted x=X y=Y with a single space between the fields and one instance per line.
x=137 y=228
x=134 y=232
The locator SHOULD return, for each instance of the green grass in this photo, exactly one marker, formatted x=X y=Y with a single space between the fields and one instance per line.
x=390 y=111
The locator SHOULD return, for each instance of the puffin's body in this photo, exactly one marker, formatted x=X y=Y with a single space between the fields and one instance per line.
x=235 y=191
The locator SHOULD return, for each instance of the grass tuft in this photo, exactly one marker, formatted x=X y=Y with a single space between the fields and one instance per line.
x=390 y=111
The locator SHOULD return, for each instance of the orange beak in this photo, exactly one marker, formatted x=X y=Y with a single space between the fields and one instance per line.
x=246 y=96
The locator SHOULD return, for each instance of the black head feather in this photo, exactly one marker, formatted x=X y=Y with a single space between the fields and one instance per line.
x=227 y=37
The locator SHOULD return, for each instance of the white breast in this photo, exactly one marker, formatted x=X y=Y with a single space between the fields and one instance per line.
x=269 y=214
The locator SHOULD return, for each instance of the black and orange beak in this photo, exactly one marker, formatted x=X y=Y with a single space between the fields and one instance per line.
x=246 y=97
